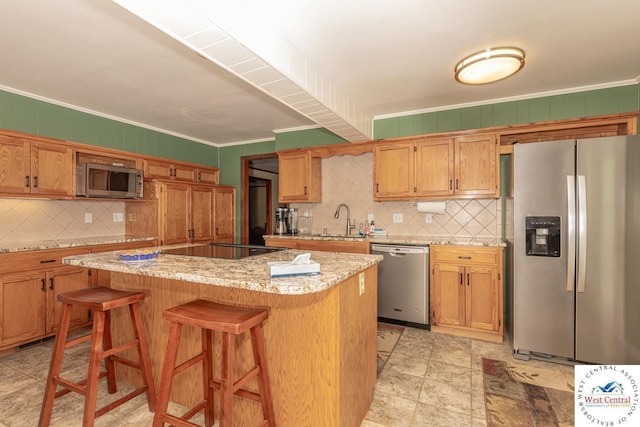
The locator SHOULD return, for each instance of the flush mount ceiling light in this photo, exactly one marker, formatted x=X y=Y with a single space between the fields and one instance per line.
x=489 y=65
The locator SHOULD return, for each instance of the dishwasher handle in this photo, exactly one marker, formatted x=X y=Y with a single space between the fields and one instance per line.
x=399 y=250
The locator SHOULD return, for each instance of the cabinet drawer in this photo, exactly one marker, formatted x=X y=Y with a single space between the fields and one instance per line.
x=36 y=260
x=465 y=255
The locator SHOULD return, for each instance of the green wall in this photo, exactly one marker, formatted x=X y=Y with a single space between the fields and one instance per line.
x=22 y=114
x=591 y=103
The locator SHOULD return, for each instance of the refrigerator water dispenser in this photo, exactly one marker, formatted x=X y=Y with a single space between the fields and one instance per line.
x=543 y=236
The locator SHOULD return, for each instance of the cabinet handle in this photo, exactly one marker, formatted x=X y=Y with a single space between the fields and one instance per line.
x=450 y=184
x=457 y=188
x=51 y=283
x=43 y=288
x=464 y=257
x=468 y=279
x=199 y=176
x=377 y=187
x=305 y=190
x=27 y=181
x=461 y=279
x=35 y=181
x=216 y=231
x=44 y=261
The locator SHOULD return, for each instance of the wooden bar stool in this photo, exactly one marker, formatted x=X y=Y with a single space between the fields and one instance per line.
x=100 y=301
x=230 y=321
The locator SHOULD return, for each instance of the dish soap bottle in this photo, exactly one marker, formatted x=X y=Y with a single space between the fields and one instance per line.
x=360 y=230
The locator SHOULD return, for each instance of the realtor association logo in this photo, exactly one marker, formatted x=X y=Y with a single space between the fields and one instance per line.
x=607 y=395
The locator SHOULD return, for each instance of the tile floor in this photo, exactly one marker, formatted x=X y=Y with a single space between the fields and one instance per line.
x=429 y=380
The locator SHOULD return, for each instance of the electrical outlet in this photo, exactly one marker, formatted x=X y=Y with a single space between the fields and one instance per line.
x=361 y=279
x=118 y=217
x=369 y=217
x=397 y=218
x=88 y=218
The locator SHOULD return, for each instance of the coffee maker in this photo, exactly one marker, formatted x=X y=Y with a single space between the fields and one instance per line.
x=282 y=219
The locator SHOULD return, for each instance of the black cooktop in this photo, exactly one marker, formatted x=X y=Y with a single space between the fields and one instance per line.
x=222 y=250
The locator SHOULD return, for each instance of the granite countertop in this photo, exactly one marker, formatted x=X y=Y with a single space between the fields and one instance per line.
x=68 y=243
x=402 y=240
x=248 y=273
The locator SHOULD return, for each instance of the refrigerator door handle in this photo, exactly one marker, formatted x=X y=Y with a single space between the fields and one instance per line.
x=571 y=232
x=582 y=232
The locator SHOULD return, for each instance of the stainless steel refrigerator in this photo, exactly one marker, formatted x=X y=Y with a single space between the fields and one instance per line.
x=575 y=291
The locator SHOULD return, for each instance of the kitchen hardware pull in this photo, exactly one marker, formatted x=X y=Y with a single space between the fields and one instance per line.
x=27 y=181
x=468 y=279
x=377 y=187
x=50 y=282
x=216 y=231
x=35 y=181
x=44 y=261
x=199 y=176
x=43 y=288
x=571 y=232
x=457 y=186
x=464 y=257
x=461 y=279
x=450 y=184
x=305 y=190
x=582 y=232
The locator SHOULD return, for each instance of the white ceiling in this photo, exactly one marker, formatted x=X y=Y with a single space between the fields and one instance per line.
x=359 y=59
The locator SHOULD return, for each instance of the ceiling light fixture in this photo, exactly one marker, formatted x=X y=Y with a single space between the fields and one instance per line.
x=489 y=65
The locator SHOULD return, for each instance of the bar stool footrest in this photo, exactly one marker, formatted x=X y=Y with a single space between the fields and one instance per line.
x=69 y=386
x=120 y=401
x=177 y=422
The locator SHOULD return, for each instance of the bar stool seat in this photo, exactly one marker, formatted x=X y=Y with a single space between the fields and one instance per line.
x=100 y=301
x=230 y=321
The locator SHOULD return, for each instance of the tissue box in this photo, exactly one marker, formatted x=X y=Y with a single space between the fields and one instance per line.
x=285 y=268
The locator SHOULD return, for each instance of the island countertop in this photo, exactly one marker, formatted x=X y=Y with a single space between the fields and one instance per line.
x=249 y=273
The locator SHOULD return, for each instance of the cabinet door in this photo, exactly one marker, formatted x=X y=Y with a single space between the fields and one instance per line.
x=52 y=170
x=184 y=173
x=393 y=171
x=448 y=295
x=176 y=209
x=300 y=178
x=201 y=213
x=482 y=298
x=15 y=166
x=435 y=168
x=157 y=169
x=477 y=163
x=224 y=218
x=60 y=280
x=208 y=175
x=22 y=300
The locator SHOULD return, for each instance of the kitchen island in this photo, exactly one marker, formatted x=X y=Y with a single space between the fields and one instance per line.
x=320 y=336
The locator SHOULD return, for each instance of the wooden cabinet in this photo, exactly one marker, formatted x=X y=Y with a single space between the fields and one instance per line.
x=183 y=213
x=466 y=291
x=179 y=171
x=460 y=167
x=354 y=247
x=29 y=285
x=224 y=218
x=35 y=168
x=300 y=177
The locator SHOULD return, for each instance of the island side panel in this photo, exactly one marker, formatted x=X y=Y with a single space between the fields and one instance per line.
x=358 y=336
x=320 y=347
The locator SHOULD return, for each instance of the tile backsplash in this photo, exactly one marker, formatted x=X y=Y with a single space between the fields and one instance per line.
x=349 y=179
x=27 y=220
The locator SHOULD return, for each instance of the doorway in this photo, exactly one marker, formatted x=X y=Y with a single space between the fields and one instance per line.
x=259 y=197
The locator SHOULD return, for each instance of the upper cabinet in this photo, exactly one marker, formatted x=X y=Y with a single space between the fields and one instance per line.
x=178 y=171
x=462 y=167
x=300 y=177
x=35 y=168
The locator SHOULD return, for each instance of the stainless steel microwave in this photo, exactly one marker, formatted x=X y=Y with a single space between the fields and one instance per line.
x=98 y=180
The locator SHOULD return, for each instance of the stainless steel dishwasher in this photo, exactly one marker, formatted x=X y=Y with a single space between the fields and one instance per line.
x=403 y=282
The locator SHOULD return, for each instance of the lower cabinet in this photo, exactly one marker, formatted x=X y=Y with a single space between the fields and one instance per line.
x=30 y=309
x=354 y=247
x=30 y=283
x=466 y=291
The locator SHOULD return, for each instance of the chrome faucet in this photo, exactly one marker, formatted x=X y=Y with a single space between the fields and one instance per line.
x=349 y=225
